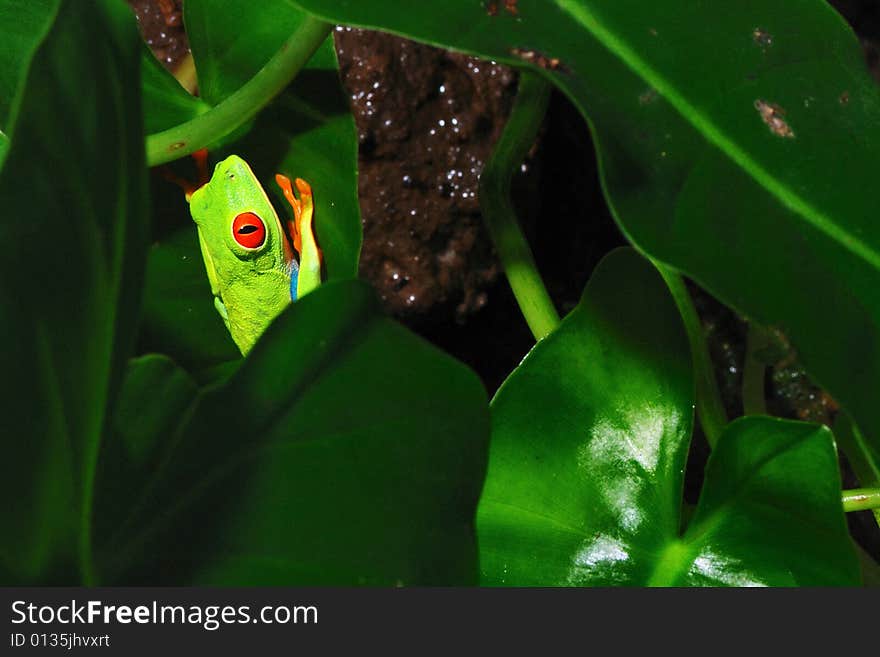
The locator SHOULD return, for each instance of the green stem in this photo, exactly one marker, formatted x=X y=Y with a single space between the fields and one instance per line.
x=863 y=460
x=242 y=105
x=710 y=409
x=861 y=499
x=754 y=402
x=516 y=257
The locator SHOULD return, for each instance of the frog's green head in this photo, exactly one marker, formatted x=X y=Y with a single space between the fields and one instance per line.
x=239 y=229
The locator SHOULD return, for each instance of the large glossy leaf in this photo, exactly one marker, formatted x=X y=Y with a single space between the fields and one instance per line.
x=73 y=189
x=769 y=513
x=589 y=441
x=345 y=450
x=737 y=142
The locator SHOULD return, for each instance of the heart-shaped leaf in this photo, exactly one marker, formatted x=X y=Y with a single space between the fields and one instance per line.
x=73 y=188
x=589 y=442
x=345 y=450
x=769 y=513
x=737 y=142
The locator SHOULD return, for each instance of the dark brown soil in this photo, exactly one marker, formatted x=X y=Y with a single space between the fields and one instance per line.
x=427 y=120
x=161 y=25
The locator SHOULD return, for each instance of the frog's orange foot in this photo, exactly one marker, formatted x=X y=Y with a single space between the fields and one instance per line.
x=302 y=207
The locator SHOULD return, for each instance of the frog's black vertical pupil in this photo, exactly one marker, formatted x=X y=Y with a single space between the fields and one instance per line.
x=249 y=230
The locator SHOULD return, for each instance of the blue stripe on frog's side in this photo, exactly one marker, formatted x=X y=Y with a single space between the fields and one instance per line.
x=294 y=279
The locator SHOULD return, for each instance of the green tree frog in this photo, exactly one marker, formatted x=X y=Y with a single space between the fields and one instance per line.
x=254 y=269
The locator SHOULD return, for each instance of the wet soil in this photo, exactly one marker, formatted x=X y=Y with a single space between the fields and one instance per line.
x=161 y=25
x=427 y=120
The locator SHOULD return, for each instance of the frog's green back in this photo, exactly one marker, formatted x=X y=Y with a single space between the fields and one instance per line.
x=251 y=284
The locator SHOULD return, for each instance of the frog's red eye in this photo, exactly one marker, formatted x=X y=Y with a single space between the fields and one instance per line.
x=249 y=230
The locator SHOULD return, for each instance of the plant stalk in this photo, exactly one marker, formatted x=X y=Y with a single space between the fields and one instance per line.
x=861 y=499
x=859 y=454
x=513 y=249
x=242 y=105
x=754 y=401
x=710 y=408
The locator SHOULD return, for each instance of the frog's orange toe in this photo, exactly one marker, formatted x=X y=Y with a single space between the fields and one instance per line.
x=284 y=183
x=304 y=188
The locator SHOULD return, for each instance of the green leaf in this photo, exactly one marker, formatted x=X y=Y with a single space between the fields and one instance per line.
x=24 y=26
x=231 y=42
x=590 y=437
x=737 y=143
x=166 y=103
x=73 y=189
x=179 y=318
x=344 y=450
x=154 y=395
x=769 y=513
